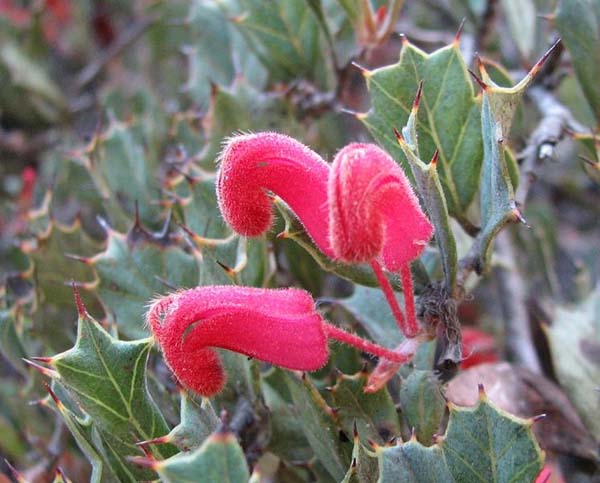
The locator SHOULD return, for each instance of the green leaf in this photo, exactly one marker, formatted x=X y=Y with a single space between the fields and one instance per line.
x=208 y=50
x=136 y=267
x=107 y=378
x=497 y=200
x=11 y=345
x=124 y=173
x=286 y=37
x=374 y=414
x=220 y=458
x=578 y=22
x=369 y=307
x=87 y=438
x=53 y=269
x=447 y=89
x=575 y=345
x=361 y=274
x=197 y=422
x=411 y=462
x=364 y=467
x=521 y=17
x=422 y=404
x=431 y=192
x=287 y=436
x=29 y=93
x=319 y=426
x=481 y=444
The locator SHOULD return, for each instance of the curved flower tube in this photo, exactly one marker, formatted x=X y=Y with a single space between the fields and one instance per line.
x=251 y=164
x=375 y=215
x=280 y=326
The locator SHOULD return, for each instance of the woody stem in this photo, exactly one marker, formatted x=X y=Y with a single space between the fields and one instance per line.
x=341 y=335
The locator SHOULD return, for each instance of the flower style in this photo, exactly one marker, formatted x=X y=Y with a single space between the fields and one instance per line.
x=280 y=326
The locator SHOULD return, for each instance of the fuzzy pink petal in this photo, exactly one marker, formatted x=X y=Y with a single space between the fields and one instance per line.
x=254 y=163
x=373 y=209
x=277 y=326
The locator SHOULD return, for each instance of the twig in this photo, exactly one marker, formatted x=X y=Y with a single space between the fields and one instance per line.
x=556 y=119
x=512 y=291
x=132 y=33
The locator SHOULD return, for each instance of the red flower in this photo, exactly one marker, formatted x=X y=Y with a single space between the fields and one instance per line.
x=362 y=210
x=477 y=348
x=254 y=163
x=375 y=215
x=277 y=326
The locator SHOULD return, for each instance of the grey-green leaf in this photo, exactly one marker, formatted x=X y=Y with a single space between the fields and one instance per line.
x=447 y=89
x=578 y=22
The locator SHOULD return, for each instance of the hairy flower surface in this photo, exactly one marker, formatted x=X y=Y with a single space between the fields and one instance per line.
x=254 y=163
x=280 y=326
x=373 y=209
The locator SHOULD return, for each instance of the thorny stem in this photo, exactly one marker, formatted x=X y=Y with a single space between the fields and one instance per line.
x=387 y=290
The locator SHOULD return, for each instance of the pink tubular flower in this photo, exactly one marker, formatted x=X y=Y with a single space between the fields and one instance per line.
x=374 y=211
x=375 y=215
x=251 y=164
x=277 y=326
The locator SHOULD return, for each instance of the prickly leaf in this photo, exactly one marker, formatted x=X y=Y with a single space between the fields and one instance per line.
x=481 y=444
x=107 y=378
x=497 y=195
x=447 y=88
x=319 y=426
x=220 y=458
x=422 y=404
x=374 y=414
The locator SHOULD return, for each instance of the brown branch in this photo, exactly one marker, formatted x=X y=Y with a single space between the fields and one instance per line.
x=129 y=35
x=556 y=120
x=512 y=293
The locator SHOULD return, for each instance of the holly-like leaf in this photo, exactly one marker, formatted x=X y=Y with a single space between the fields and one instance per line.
x=364 y=466
x=136 y=267
x=107 y=379
x=575 y=344
x=86 y=437
x=431 y=192
x=446 y=89
x=197 y=421
x=124 y=173
x=287 y=436
x=319 y=426
x=286 y=37
x=578 y=22
x=422 y=404
x=497 y=199
x=220 y=458
x=483 y=444
x=374 y=414
x=208 y=50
